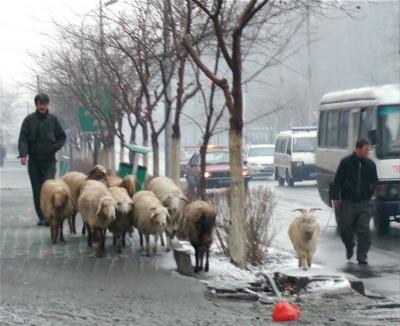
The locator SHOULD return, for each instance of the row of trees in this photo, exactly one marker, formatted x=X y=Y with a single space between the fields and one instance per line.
x=173 y=53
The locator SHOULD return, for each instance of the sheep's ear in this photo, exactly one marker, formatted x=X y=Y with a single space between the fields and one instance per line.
x=302 y=210
x=99 y=207
x=184 y=198
x=153 y=212
x=166 y=200
x=312 y=210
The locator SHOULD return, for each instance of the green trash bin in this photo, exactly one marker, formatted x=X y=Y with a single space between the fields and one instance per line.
x=124 y=169
x=140 y=177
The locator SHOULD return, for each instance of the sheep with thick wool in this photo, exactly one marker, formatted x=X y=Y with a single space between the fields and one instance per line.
x=56 y=205
x=123 y=219
x=74 y=180
x=97 y=207
x=304 y=232
x=150 y=217
x=199 y=220
x=173 y=198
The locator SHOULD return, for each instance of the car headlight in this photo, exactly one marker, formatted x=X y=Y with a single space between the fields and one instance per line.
x=207 y=174
x=245 y=172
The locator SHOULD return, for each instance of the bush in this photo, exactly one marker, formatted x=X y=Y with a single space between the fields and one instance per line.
x=259 y=208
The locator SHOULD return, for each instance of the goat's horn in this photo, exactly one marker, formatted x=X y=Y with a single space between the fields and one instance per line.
x=303 y=210
x=312 y=210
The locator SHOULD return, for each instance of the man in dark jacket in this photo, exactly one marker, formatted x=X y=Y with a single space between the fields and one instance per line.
x=41 y=136
x=355 y=183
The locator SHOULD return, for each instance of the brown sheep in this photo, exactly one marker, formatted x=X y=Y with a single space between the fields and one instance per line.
x=129 y=183
x=56 y=205
x=199 y=222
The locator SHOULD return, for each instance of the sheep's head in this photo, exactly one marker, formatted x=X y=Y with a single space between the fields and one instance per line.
x=124 y=206
x=107 y=207
x=175 y=205
x=60 y=198
x=307 y=221
x=160 y=217
x=99 y=173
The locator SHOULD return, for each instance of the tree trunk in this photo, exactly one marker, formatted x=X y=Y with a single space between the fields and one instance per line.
x=121 y=152
x=156 y=155
x=132 y=140
x=145 y=133
x=175 y=155
x=203 y=181
x=237 y=245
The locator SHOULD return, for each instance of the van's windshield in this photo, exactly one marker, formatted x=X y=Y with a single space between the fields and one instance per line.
x=388 y=131
x=304 y=144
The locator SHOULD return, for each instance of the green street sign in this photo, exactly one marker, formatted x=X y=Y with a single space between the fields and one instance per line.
x=100 y=99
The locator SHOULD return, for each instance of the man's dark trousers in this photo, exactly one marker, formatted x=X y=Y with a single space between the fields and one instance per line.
x=39 y=172
x=355 y=218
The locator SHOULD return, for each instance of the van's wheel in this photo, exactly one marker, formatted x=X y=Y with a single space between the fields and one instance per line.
x=281 y=181
x=289 y=180
x=382 y=223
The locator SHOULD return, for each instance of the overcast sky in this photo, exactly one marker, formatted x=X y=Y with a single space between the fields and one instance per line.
x=23 y=28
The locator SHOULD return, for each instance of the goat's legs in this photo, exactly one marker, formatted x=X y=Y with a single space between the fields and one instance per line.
x=99 y=242
x=196 y=252
x=141 y=239
x=303 y=262
x=162 y=239
x=61 y=226
x=89 y=236
x=54 y=231
x=309 y=261
x=201 y=249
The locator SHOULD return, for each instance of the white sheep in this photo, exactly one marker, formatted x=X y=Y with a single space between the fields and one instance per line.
x=150 y=217
x=97 y=207
x=123 y=220
x=74 y=180
x=56 y=205
x=172 y=197
x=304 y=233
x=199 y=221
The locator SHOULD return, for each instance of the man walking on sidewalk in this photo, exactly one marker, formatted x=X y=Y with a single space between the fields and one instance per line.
x=355 y=183
x=41 y=136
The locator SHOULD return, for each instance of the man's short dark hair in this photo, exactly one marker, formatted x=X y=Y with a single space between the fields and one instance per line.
x=42 y=98
x=361 y=142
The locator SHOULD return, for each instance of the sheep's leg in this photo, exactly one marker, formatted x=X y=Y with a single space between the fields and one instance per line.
x=169 y=243
x=206 y=268
x=196 y=253
x=53 y=231
x=103 y=239
x=147 y=236
x=130 y=231
x=61 y=225
x=201 y=258
x=162 y=239
x=71 y=228
x=141 y=239
x=74 y=223
x=124 y=239
x=119 y=243
x=89 y=236
x=99 y=242
x=155 y=243
x=84 y=229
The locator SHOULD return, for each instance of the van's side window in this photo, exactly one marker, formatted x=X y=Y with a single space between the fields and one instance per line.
x=277 y=145
x=344 y=117
x=322 y=130
x=332 y=128
x=283 y=147
x=289 y=146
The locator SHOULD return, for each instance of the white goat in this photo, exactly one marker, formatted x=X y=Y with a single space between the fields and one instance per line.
x=304 y=233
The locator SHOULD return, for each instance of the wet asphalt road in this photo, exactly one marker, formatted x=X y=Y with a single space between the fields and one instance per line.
x=383 y=273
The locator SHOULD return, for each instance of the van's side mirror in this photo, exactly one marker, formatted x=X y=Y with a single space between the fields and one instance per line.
x=372 y=136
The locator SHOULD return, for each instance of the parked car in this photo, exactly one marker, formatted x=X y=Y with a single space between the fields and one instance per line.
x=260 y=159
x=294 y=156
x=217 y=169
x=185 y=155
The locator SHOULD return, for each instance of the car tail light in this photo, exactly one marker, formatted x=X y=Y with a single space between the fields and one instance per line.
x=380 y=190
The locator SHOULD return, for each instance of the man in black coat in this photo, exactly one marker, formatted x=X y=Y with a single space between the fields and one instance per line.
x=355 y=183
x=41 y=136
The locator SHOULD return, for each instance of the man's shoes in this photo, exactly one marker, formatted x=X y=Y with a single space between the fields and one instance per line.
x=349 y=253
x=362 y=262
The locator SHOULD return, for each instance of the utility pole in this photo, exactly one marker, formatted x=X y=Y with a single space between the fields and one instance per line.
x=167 y=131
x=309 y=70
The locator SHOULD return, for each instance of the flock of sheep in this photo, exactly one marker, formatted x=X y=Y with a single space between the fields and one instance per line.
x=110 y=203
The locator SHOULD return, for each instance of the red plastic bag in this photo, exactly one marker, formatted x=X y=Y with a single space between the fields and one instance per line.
x=284 y=311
